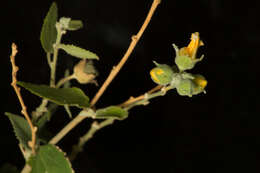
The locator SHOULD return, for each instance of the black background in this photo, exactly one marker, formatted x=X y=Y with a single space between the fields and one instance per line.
x=216 y=132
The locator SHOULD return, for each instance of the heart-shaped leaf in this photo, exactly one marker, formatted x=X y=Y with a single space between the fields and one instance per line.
x=49 y=32
x=50 y=159
x=78 y=52
x=115 y=112
x=21 y=129
x=61 y=96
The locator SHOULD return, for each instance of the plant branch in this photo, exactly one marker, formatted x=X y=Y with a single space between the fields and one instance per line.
x=95 y=126
x=111 y=76
x=53 y=63
x=144 y=99
x=140 y=100
x=18 y=93
x=130 y=49
x=135 y=99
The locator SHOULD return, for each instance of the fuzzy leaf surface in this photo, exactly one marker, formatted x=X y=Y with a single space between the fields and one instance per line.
x=61 y=96
x=49 y=32
x=21 y=129
x=50 y=159
x=78 y=52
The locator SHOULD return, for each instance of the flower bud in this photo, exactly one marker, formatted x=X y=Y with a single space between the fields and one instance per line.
x=190 y=87
x=186 y=56
x=162 y=74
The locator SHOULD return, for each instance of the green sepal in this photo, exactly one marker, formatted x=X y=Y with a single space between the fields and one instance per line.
x=185 y=87
x=186 y=63
x=190 y=85
x=48 y=32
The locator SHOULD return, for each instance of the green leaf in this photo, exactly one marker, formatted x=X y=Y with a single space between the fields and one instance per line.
x=75 y=25
x=78 y=52
x=50 y=159
x=49 y=32
x=61 y=96
x=21 y=129
x=115 y=112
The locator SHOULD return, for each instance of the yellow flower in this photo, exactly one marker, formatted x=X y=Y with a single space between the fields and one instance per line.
x=193 y=46
x=154 y=73
x=200 y=81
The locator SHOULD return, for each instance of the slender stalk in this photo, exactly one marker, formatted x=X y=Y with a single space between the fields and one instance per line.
x=40 y=110
x=95 y=126
x=53 y=63
x=49 y=59
x=64 y=80
x=18 y=93
x=111 y=76
x=146 y=97
x=135 y=99
x=130 y=49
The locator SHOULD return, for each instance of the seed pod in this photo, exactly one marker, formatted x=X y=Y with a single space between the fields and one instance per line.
x=85 y=72
x=162 y=74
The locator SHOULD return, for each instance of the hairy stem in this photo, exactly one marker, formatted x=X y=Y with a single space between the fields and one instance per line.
x=53 y=63
x=111 y=76
x=144 y=99
x=135 y=99
x=18 y=93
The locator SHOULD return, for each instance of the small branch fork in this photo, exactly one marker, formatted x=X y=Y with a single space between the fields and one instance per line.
x=18 y=93
x=111 y=76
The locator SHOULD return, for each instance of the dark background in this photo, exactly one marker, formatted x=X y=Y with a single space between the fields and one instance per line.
x=216 y=132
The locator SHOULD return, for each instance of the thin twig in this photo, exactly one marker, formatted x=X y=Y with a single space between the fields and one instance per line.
x=135 y=40
x=18 y=93
x=135 y=99
x=111 y=76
